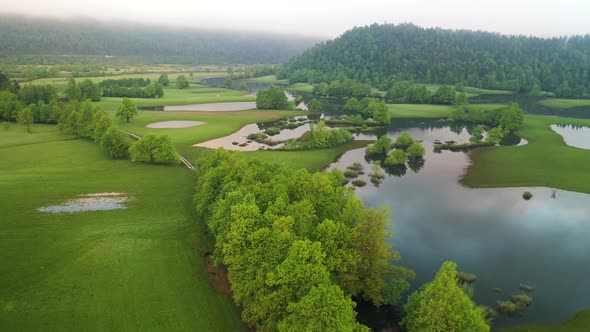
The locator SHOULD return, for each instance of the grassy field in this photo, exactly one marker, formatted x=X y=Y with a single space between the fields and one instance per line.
x=564 y=103
x=471 y=91
x=121 y=270
x=545 y=161
x=267 y=79
x=579 y=323
x=431 y=111
x=195 y=94
x=312 y=160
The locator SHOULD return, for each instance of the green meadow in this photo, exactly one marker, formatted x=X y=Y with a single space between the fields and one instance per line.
x=578 y=323
x=267 y=79
x=431 y=111
x=134 y=269
x=545 y=161
x=564 y=103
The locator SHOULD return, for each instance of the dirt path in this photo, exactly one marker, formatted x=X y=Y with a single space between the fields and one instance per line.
x=182 y=159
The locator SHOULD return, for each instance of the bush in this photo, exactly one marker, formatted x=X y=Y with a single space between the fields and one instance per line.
x=416 y=150
x=359 y=183
x=350 y=174
x=527 y=195
x=272 y=131
x=527 y=288
x=381 y=147
x=466 y=278
x=154 y=149
x=116 y=143
x=396 y=157
x=403 y=141
x=357 y=167
x=516 y=306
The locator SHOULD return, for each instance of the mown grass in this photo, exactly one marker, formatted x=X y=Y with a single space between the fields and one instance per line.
x=121 y=270
x=195 y=94
x=580 y=322
x=431 y=111
x=302 y=87
x=564 y=103
x=471 y=91
x=312 y=160
x=545 y=161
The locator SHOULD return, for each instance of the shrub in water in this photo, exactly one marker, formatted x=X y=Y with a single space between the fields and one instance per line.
x=403 y=141
x=396 y=157
x=350 y=174
x=527 y=195
x=359 y=183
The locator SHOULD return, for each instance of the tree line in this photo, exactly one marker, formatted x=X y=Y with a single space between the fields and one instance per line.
x=42 y=36
x=381 y=55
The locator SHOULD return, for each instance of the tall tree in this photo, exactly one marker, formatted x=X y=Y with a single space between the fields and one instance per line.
x=442 y=305
x=127 y=110
x=25 y=118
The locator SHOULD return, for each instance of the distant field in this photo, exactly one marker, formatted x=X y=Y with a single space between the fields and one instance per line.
x=303 y=87
x=195 y=94
x=267 y=79
x=120 y=270
x=579 y=323
x=60 y=82
x=431 y=111
x=564 y=103
x=471 y=91
x=545 y=161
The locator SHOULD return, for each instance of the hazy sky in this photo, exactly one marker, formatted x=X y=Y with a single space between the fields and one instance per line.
x=328 y=18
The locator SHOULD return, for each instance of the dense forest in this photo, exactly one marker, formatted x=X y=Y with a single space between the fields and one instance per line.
x=28 y=36
x=382 y=55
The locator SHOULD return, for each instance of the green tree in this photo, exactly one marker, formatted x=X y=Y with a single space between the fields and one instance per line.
x=416 y=150
x=116 y=143
x=403 y=141
x=89 y=90
x=381 y=147
x=314 y=105
x=380 y=112
x=102 y=125
x=397 y=157
x=324 y=308
x=85 y=122
x=163 y=80
x=182 y=82
x=511 y=118
x=10 y=105
x=243 y=85
x=442 y=305
x=228 y=83
x=25 y=118
x=536 y=90
x=154 y=149
x=73 y=90
x=495 y=135
x=127 y=110
x=477 y=134
x=444 y=95
x=417 y=94
x=461 y=99
x=273 y=98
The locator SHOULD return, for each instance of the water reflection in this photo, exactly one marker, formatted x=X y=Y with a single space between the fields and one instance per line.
x=492 y=233
x=576 y=136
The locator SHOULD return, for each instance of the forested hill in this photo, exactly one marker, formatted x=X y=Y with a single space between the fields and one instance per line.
x=381 y=54
x=21 y=35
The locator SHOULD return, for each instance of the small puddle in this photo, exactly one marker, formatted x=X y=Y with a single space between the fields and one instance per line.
x=90 y=202
x=576 y=136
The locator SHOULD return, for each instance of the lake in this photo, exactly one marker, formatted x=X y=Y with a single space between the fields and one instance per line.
x=492 y=233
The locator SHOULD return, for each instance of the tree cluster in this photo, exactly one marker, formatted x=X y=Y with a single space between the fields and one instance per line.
x=319 y=137
x=297 y=246
x=131 y=88
x=369 y=108
x=155 y=150
x=272 y=99
x=510 y=118
x=381 y=55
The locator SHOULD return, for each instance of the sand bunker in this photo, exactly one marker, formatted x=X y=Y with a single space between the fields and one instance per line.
x=90 y=202
x=175 y=124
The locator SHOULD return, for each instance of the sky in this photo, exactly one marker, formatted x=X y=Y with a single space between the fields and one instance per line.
x=328 y=18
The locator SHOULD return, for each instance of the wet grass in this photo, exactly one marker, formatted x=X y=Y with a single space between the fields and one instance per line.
x=267 y=79
x=133 y=269
x=564 y=103
x=578 y=323
x=545 y=161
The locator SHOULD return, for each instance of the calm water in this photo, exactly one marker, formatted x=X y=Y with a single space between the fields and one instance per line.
x=531 y=105
x=492 y=233
x=577 y=136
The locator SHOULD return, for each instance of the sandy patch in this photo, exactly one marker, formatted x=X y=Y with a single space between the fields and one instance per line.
x=175 y=124
x=90 y=202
